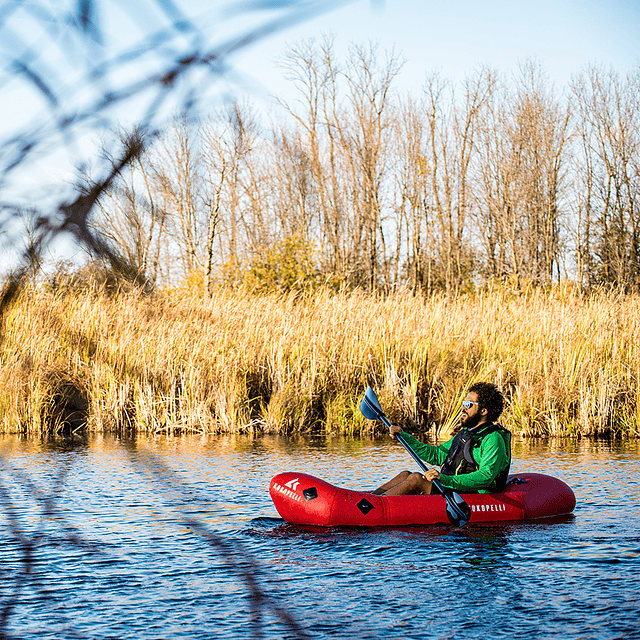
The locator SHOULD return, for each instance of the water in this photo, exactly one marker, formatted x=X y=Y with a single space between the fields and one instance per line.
x=178 y=538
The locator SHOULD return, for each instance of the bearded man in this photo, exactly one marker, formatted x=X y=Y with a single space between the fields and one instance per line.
x=475 y=460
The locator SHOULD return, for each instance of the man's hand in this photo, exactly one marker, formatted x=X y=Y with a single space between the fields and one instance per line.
x=393 y=430
x=432 y=475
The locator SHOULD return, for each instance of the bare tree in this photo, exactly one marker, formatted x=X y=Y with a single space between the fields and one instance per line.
x=521 y=173
x=451 y=148
x=608 y=184
x=344 y=122
x=133 y=220
x=311 y=145
x=365 y=140
x=179 y=183
x=218 y=170
x=413 y=197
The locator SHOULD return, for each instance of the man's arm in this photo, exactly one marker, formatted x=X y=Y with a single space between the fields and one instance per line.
x=429 y=453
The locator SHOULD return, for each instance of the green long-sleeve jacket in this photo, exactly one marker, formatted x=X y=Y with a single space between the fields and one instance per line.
x=491 y=457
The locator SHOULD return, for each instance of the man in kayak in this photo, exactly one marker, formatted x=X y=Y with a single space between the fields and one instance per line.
x=475 y=460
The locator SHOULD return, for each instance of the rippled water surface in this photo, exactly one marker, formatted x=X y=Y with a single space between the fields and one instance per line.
x=178 y=538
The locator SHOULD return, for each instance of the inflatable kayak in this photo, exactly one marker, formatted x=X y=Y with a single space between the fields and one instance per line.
x=303 y=499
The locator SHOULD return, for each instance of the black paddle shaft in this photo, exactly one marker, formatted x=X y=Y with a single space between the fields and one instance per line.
x=458 y=511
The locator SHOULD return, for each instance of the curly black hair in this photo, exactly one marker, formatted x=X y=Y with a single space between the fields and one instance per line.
x=489 y=398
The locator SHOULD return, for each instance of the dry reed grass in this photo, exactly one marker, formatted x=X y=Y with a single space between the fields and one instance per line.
x=568 y=364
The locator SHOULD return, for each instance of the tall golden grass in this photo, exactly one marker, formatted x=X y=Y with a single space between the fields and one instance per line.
x=568 y=364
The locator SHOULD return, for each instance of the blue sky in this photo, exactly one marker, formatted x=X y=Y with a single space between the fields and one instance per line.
x=455 y=36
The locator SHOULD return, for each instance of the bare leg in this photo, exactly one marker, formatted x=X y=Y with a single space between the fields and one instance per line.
x=401 y=477
x=414 y=483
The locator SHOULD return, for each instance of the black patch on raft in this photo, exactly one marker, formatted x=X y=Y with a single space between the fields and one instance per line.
x=365 y=506
x=310 y=494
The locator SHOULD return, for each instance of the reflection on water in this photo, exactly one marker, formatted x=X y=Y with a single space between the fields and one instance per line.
x=121 y=549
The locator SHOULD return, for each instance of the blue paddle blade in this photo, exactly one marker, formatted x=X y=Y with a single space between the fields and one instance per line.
x=367 y=411
x=370 y=407
x=458 y=511
x=371 y=396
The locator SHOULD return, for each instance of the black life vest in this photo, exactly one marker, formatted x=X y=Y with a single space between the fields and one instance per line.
x=460 y=459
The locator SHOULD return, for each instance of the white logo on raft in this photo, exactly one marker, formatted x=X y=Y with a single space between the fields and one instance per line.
x=287 y=492
x=292 y=484
x=488 y=507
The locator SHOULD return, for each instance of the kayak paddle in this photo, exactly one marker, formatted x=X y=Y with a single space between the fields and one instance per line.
x=458 y=511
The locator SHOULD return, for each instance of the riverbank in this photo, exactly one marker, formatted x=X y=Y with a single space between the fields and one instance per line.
x=569 y=365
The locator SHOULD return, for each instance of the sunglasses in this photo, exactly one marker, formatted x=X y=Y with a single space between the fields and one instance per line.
x=467 y=404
